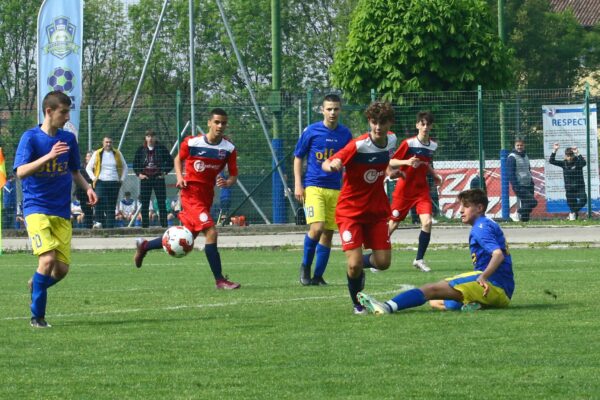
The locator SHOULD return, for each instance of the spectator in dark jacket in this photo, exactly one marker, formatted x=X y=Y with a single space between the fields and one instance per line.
x=151 y=163
x=572 y=167
x=519 y=172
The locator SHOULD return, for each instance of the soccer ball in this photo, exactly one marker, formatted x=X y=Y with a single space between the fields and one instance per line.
x=62 y=79
x=178 y=241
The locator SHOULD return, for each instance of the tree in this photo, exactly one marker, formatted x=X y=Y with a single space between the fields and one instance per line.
x=404 y=46
x=17 y=71
x=547 y=44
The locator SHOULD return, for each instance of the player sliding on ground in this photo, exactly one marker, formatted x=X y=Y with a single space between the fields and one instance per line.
x=205 y=156
x=491 y=284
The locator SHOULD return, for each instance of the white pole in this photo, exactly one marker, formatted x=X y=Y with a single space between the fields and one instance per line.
x=139 y=85
x=192 y=78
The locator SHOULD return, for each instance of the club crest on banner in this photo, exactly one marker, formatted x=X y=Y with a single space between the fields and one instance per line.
x=61 y=38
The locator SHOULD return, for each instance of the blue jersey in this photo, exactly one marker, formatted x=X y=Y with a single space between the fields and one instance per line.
x=47 y=191
x=486 y=236
x=318 y=143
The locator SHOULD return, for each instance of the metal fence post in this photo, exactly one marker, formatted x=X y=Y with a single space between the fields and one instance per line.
x=588 y=149
x=480 y=135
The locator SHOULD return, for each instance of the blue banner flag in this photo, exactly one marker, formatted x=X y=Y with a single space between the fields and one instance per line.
x=59 y=49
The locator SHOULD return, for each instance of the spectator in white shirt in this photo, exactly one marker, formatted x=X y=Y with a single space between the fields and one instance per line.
x=108 y=169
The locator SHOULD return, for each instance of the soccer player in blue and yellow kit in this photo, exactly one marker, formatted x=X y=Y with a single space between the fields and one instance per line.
x=490 y=284
x=320 y=190
x=47 y=161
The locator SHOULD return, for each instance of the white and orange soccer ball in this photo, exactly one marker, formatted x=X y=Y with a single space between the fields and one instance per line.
x=178 y=241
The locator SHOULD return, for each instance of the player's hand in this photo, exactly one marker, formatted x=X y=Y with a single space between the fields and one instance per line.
x=58 y=149
x=92 y=196
x=437 y=179
x=299 y=194
x=336 y=165
x=142 y=176
x=414 y=162
x=484 y=284
x=221 y=182
x=555 y=146
x=181 y=183
x=395 y=173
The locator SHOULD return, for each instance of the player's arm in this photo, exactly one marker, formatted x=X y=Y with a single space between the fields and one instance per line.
x=177 y=164
x=82 y=183
x=332 y=165
x=25 y=170
x=394 y=172
x=298 y=188
x=495 y=261
x=412 y=162
x=230 y=181
x=436 y=178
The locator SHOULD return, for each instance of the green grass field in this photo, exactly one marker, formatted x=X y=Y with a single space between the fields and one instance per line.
x=164 y=332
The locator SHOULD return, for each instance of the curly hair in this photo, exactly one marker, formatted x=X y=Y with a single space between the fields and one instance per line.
x=380 y=111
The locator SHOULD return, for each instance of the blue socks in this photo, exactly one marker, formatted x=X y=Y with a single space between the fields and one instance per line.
x=424 y=238
x=310 y=246
x=367 y=261
x=322 y=260
x=410 y=298
x=39 y=294
x=154 y=244
x=214 y=260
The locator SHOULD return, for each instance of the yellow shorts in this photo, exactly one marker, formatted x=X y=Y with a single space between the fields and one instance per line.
x=319 y=206
x=49 y=232
x=473 y=293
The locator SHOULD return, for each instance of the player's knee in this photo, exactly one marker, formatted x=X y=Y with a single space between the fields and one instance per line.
x=382 y=263
x=60 y=271
x=355 y=270
x=426 y=222
x=316 y=229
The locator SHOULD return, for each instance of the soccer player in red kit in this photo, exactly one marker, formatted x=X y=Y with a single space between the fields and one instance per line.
x=204 y=157
x=415 y=158
x=363 y=209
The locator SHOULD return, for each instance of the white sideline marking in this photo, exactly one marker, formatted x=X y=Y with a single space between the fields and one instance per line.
x=402 y=287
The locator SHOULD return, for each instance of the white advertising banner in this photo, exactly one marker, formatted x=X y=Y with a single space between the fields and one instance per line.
x=59 y=54
x=566 y=125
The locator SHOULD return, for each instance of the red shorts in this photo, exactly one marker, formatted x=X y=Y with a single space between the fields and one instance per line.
x=373 y=235
x=195 y=208
x=401 y=205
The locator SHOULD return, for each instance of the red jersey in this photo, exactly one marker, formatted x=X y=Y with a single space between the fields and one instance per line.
x=363 y=197
x=415 y=182
x=204 y=161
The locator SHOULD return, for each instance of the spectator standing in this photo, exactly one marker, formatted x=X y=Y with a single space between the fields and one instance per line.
x=521 y=180
x=108 y=169
x=572 y=167
x=151 y=163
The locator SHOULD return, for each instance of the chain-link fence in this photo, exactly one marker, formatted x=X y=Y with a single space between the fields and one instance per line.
x=475 y=132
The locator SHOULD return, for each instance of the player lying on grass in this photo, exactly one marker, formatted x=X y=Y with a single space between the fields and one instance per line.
x=491 y=284
x=204 y=157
